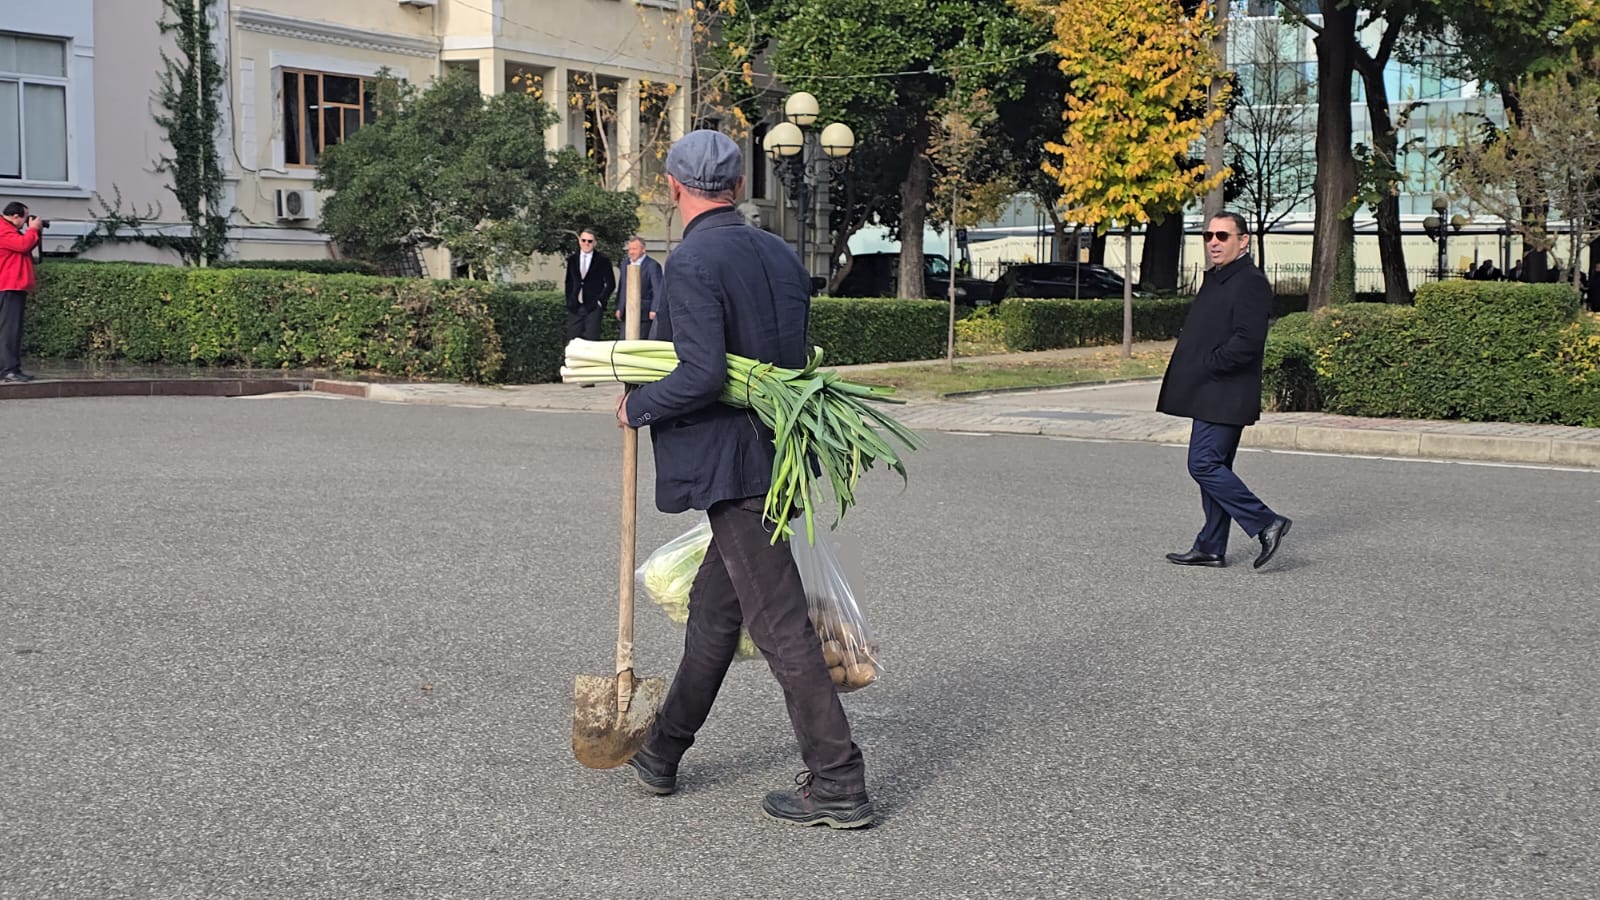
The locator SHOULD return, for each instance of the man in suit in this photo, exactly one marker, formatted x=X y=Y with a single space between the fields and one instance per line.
x=589 y=282
x=735 y=289
x=1214 y=378
x=648 y=271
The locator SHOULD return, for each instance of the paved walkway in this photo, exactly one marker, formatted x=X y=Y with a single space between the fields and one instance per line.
x=1124 y=411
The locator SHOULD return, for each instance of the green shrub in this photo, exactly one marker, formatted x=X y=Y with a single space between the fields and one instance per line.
x=176 y=316
x=1284 y=304
x=1048 y=324
x=532 y=328
x=1288 y=370
x=542 y=286
x=1483 y=351
x=1487 y=349
x=982 y=326
x=867 y=330
x=309 y=266
x=1575 y=365
x=102 y=311
x=1363 y=354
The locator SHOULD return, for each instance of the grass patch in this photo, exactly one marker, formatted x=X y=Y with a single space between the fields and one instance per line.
x=935 y=379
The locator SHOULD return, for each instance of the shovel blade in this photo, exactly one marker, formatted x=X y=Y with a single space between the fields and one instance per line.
x=601 y=737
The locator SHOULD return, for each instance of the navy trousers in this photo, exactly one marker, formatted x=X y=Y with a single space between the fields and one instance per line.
x=1223 y=496
x=746 y=580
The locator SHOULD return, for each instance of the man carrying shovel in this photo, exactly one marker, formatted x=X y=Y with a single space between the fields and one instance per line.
x=732 y=288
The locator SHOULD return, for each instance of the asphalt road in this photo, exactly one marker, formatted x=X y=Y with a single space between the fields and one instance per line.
x=323 y=648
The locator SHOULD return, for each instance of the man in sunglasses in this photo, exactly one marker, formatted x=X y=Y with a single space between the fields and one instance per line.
x=590 y=280
x=1214 y=378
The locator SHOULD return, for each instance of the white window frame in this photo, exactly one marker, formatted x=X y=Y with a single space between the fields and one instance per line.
x=70 y=21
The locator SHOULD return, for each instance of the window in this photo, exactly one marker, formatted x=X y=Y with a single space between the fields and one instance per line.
x=320 y=110
x=33 y=108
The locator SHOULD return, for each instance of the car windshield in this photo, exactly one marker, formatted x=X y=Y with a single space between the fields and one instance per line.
x=937 y=265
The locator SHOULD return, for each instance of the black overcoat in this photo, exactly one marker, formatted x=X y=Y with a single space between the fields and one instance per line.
x=1215 y=372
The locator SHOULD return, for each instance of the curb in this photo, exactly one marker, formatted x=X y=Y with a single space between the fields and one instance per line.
x=958 y=395
x=1415 y=442
x=1424 y=445
x=151 y=387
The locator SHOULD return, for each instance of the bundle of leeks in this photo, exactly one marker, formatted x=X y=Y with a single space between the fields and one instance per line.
x=823 y=426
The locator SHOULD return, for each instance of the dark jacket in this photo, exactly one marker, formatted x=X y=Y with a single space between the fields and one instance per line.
x=598 y=285
x=649 y=287
x=729 y=288
x=1215 y=372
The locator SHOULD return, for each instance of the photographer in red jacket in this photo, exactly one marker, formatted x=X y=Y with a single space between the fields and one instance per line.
x=17 y=239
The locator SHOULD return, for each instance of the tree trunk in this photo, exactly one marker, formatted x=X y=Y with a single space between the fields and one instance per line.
x=1386 y=146
x=1097 y=250
x=1127 y=292
x=1158 y=261
x=1391 y=247
x=1333 y=234
x=914 y=216
x=1217 y=138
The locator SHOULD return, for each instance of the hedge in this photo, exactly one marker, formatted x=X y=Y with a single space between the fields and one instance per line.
x=278 y=320
x=405 y=327
x=853 y=330
x=1288 y=370
x=309 y=266
x=1488 y=351
x=1048 y=324
x=1363 y=354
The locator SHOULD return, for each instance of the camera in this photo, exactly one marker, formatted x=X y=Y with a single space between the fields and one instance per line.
x=43 y=223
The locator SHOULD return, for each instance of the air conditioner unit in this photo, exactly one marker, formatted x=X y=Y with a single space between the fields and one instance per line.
x=296 y=206
x=420 y=4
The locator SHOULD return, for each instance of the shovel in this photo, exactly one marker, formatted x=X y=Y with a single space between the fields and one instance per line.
x=611 y=714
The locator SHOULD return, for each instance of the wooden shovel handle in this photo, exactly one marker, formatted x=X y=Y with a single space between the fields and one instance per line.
x=630 y=509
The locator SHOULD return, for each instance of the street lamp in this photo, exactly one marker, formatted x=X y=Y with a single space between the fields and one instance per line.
x=802 y=157
x=1435 y=227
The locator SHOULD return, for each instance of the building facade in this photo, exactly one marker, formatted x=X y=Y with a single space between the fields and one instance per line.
x=78 y=78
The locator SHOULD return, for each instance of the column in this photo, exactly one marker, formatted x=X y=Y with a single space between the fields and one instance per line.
x=626 y=151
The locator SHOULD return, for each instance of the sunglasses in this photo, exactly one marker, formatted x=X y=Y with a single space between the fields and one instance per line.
x=585 y=240
x=1216 y=235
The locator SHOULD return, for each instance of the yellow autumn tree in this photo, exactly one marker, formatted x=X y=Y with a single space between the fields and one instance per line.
x=1135 y=112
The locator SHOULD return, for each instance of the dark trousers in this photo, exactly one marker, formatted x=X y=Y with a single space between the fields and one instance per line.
x=11 y=303
x=584 y=323
x=747 y=580
x=1223 y=496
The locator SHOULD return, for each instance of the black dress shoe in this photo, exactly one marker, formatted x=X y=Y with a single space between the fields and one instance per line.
x=16 y=378
x=1196 y=558
x=1272 y=538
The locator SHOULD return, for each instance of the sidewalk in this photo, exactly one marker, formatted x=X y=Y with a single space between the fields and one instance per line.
x=1122 y=412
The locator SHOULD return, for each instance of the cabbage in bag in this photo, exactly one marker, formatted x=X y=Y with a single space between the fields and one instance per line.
x=846 y=643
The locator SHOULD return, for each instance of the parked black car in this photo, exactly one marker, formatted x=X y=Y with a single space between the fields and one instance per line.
x=1060 y=281
x=878 y=275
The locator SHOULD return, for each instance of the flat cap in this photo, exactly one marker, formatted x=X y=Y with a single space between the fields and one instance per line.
x=706 y=160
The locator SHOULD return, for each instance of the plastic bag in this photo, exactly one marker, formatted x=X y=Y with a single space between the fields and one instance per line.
x=667 y=575
x=846 y=644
